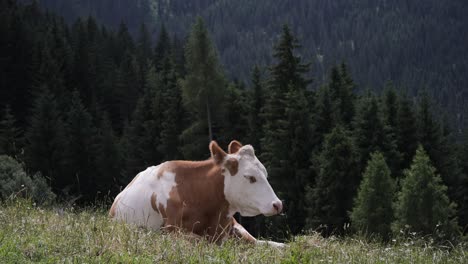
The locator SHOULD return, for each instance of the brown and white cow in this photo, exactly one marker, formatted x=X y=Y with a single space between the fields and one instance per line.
x=200 y=197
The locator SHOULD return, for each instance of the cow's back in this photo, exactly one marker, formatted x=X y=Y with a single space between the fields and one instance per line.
x=142 y=201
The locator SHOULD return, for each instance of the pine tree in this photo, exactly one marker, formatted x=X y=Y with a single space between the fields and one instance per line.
x=256 y=103
x=80 y=150
x=347 y=95
x=287 y=72
x=108 y=158
x=372 y=212
x=11 y=141
x=371 y=134
x=368 y=128
x=144 y=54
x=236 y=120
x=429 y=130
x=83 y=66
x=324 y=116
x=162 y=49
x=46 y=140
x=407 y=138
x=341 y=91
x=128 y=92
x=423 y=204
x=203 y=91
x=438 y=142
x=451 y=170
x=338 y=178
x=390 y=122
x=299 y=143
x=172 y=121
x=142 y=136
x=124 y=40
x=463 y=192
x=390 y=107
x=285 y=99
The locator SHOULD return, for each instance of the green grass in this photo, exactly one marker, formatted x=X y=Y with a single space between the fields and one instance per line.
x=32 y=234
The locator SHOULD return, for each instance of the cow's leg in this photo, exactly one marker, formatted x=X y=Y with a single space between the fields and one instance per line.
x=240 y=232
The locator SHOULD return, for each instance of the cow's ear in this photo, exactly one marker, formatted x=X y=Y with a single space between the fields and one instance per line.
x=234 y=146
x=216 y=152
x=247 y=150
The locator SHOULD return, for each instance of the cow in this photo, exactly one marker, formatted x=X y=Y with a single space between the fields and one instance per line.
x=201 y=197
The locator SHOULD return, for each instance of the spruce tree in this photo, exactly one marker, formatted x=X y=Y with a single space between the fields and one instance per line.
x=330 y=199
x=390 y=107
x=407 y=137
x=124 y=40
x=299 y=143
x=463 y=192
x=142 y=137
x=324 y=117
x=451 y=170
x=162 y=49
x=172 y=120
x=368 y=128
x=256 y=103
x=108 y=158
x=341 y=90
x=348 y=108
x=423 y=205
x=236 y=120
x=390 y=123
x=437 y=140
x=126 y=88
x=429 y=130
x=203 y=91
x=373 y=212
x=144 y=54
x=371 y=134
x=285 y=99
x=287 y=72
x=80 y=150
x=11 y=140
x=45 y=139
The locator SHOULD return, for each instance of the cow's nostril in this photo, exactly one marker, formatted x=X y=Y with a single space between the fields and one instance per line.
x=278 y=206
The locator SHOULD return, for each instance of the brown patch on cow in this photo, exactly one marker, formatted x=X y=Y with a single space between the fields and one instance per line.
x=197 y=203
x=113 y=208
x=153 y=203
x=232 y=165
x=162 y=211
x=161 y=170
x=234 y=147
x=217 y=153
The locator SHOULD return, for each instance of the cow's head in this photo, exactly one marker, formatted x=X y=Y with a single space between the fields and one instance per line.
x=246 y=187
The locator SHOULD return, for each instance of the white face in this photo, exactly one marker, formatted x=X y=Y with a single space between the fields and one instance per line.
x=248 y=191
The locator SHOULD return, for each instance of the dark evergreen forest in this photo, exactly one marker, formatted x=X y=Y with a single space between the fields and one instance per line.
x=417 y=44
x=89 y=106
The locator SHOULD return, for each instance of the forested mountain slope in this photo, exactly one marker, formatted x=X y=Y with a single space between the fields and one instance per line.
x=416 y=44
x=88 y=107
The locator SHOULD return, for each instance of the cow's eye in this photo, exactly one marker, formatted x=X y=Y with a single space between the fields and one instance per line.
x=251 y=178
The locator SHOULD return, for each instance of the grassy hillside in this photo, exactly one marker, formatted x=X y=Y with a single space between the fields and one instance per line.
x=32 y=234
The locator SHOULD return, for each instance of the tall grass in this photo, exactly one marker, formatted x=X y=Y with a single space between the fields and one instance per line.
x=69 y=235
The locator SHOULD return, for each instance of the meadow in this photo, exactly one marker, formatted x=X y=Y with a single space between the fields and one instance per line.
x=56 y=235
